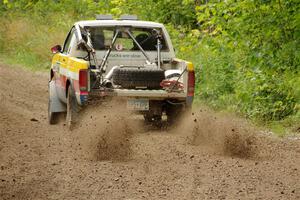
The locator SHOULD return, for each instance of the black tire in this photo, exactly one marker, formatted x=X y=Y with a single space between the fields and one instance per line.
x=138 y=77
x=72 y=108
x=154 y=120
x=174 y=113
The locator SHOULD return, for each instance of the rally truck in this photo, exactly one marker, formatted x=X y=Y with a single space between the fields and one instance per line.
x=121 y=58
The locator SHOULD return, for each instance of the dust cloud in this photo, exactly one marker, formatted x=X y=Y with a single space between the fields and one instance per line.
x=220 y=133
x=104 y=131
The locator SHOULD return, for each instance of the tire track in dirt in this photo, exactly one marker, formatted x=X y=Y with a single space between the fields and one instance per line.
x=113 y=155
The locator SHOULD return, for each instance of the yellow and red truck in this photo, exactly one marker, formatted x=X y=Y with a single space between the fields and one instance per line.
x=124 y=58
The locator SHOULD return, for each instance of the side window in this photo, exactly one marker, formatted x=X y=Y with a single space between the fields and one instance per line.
x=68 y=41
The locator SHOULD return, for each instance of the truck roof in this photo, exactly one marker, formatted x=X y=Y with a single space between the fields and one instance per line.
x=119 y=23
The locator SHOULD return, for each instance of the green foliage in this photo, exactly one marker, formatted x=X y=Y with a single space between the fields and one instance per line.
x=175 y=12
x=246 y=52
x=248 y=56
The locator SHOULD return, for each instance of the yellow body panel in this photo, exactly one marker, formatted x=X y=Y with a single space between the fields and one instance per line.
x=75 y=64
x=55 y=58
x=189 y=65
x=70 y=63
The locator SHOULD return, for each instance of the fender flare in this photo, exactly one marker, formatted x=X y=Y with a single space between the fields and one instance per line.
x=54 y=102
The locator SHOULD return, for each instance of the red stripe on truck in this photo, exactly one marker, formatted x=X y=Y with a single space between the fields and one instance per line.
x=191 y=83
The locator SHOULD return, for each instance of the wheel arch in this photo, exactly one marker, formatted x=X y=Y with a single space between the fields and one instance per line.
x=68 y=83
x=51 y=74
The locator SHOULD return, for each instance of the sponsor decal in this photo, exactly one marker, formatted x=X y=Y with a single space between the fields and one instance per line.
x=117 y=55
x=119 y=47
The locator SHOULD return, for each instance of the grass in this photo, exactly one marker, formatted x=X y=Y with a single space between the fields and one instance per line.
x=25 y=59
x=288 y=126
x=27 y=42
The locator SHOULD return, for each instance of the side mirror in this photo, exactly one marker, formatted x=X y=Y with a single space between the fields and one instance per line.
x=56 y=49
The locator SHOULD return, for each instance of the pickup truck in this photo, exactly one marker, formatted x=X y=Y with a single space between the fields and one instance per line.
x=121 y=58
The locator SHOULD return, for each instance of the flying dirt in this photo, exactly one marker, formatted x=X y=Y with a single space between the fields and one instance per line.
x=113 y=154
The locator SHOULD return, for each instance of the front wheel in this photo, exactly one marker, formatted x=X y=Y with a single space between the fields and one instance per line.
x=72 y=108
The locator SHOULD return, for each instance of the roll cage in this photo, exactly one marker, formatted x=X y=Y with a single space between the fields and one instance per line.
x=84 y=42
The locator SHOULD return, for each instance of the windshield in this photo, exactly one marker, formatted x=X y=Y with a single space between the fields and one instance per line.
x=101 y=38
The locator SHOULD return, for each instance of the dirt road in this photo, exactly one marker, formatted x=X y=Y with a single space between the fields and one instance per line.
x=113 y=156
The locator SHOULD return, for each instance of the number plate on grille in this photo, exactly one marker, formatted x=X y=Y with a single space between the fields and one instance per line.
x=138 y=104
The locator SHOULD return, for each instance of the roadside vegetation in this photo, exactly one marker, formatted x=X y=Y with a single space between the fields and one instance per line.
x=246 y=53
